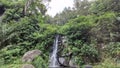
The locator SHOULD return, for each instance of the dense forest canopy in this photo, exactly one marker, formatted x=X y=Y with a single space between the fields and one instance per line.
x=92 y=29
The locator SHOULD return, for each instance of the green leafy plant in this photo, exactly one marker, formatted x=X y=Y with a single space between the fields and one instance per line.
x=40 y=62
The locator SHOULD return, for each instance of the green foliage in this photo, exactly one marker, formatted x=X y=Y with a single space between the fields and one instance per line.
x=40 y=62
x=107 y=63
x=13 y=14
x=26 y=34
x=82 y=7
x=2 y=61
x=77 y=31
x=104 y=30
x=86 y=54
x=11 y=3
x=34 y=7
x=64 y=17
x=20 y=33
x=78 y=28
x=9 y=54
x=11 y=66
x=91 y=28
x=101 y=6
x=114 y=49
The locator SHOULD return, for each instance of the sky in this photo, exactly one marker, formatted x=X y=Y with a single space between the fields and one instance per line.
x=57 y=6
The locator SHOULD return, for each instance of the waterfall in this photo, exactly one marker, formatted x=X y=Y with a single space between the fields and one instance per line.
x=53 y=57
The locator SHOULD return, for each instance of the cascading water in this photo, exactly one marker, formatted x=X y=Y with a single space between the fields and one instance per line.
x=53 y=57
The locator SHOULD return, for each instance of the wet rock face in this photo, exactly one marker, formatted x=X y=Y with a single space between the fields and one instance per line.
x=63 y=62
x=2 y=9
x=30 y=55
x=64 y=40
x=28 y=66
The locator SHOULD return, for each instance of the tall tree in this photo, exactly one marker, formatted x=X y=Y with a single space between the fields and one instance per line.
x=35 y=6
x=82 y=7
x=64 y=16
x=101 y=6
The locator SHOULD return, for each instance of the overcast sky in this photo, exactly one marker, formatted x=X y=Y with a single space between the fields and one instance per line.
x=57 y=6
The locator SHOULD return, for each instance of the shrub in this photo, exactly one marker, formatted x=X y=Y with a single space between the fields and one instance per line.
x=39 y=62
x=113 y=49
x=107 y=63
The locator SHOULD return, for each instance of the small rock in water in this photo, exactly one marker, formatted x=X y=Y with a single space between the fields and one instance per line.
x=54 y=67
x=88 y=66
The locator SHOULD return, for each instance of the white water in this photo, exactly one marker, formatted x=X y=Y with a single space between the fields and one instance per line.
x=53 y=57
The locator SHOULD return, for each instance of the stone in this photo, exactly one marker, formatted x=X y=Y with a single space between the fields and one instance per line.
x=118 y=18
x=88 y=66
x=28 y=66
x=61 y=60
x=30 y=55
x=71 y=64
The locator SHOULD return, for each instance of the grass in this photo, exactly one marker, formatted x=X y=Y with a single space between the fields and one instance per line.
x=14 y=64
x=11 y=66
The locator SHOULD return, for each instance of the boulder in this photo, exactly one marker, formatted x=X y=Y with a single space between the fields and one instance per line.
x=28 y=66
x=30 y=55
